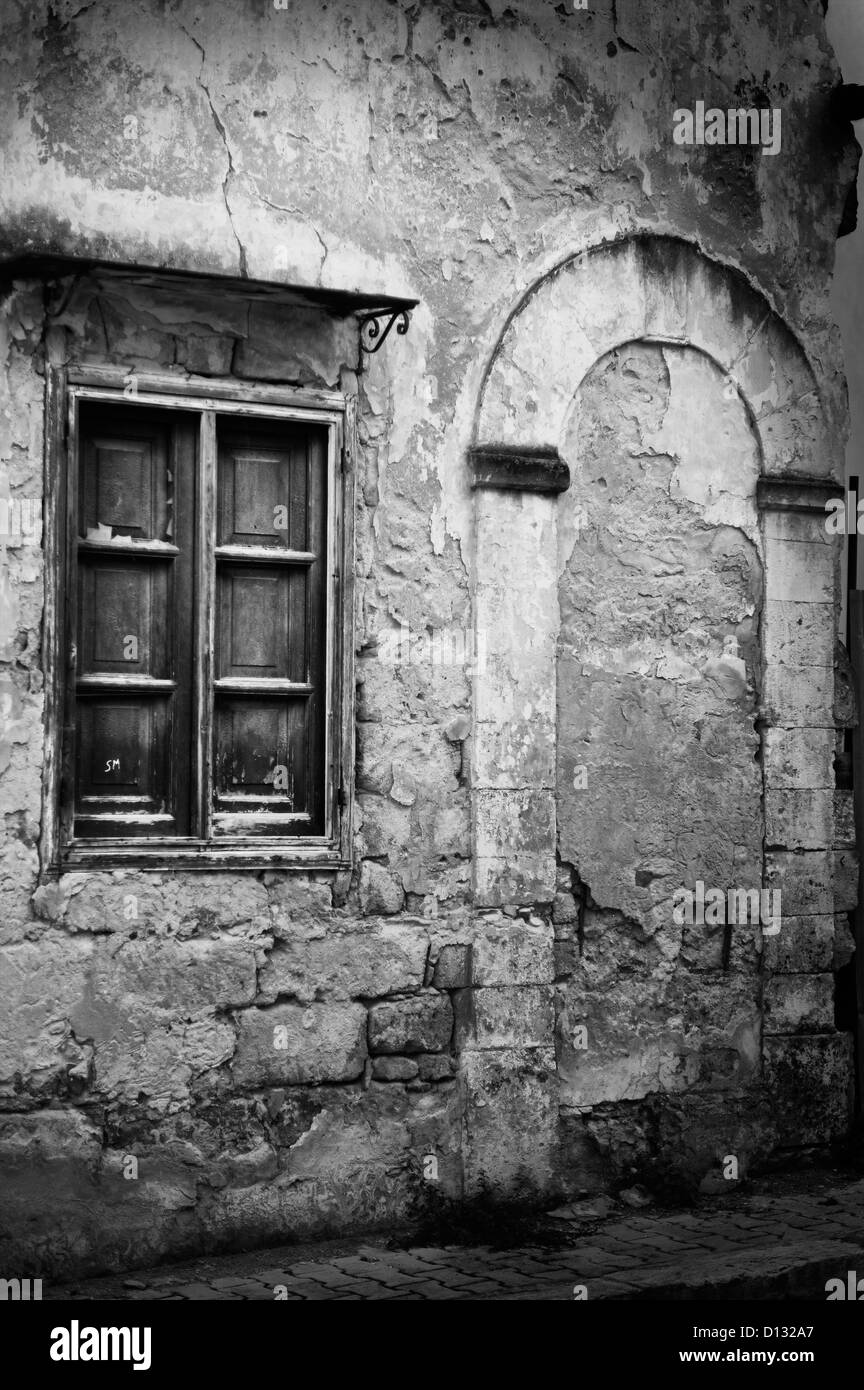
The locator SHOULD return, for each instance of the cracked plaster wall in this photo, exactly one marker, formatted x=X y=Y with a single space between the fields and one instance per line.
x=454 y=154
x=658 y=664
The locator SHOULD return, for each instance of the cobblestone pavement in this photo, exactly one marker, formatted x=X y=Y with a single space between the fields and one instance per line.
x=762 y=1246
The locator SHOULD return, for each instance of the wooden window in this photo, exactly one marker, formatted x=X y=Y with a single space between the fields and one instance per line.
x=200 y=625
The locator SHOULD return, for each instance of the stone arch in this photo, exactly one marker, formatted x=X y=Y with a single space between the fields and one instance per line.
x=656 y=289
x=659 y=290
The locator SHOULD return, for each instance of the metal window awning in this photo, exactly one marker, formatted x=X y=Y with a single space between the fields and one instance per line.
x=372 y=310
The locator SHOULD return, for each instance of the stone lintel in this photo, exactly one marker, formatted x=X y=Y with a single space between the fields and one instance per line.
x=796 y=494
x=514 y=467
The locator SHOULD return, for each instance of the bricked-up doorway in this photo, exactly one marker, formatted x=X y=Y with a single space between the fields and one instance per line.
x=658 y=781
x=715 y=762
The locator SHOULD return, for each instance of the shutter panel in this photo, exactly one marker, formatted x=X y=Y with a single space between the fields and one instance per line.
x=132 y=677
x=270 y=629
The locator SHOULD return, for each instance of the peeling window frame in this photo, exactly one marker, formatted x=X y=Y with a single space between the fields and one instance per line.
x=66 y=386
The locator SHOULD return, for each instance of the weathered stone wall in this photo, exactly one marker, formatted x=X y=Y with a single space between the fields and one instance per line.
x=456 y=155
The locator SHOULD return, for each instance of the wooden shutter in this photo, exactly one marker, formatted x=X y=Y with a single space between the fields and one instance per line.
x=131 y=658
x=269 y=692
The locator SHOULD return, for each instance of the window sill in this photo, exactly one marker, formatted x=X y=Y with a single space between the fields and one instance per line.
x=101 y=856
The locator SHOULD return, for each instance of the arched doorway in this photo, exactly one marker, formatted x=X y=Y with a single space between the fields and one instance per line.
x=652 y=456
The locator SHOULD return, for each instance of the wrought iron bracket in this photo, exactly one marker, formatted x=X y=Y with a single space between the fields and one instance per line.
x=371 y=336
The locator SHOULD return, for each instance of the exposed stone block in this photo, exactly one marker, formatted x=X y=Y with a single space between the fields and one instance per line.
x=161 y=1060
x=801 y=572
x=413 y=691
x=811 y=1081
x=795 y=441
x=515 y=602
x=383 y=958
x=844 y=879
x=418 y=750
x=299 y=907
x=506 y=951
x=296 y=349
x=209 y=354
x=436 y=1066
x=454 y=967
x=292 y=1045
x=512 y=1120
x=801 y=697
x=515 y=678
x=794 y=510
x=510 y=753
x=380 y=891
x=803 y=944
x=174 y=977
x=394 y=1069
x=423 y=1024
x=124 y=901
x=799 y=1004
x=40 y=985
x=799 y=819
x=798 y=758
x=799 y=634
x=507 y=1017
x=523 y=879
x=515 y=846
x=710 y=947
x=804 y=880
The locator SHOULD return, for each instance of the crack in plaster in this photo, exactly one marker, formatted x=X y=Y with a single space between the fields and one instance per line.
x=622 y=43
x=71 y=20
x=223 y=134
x=295 y=212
